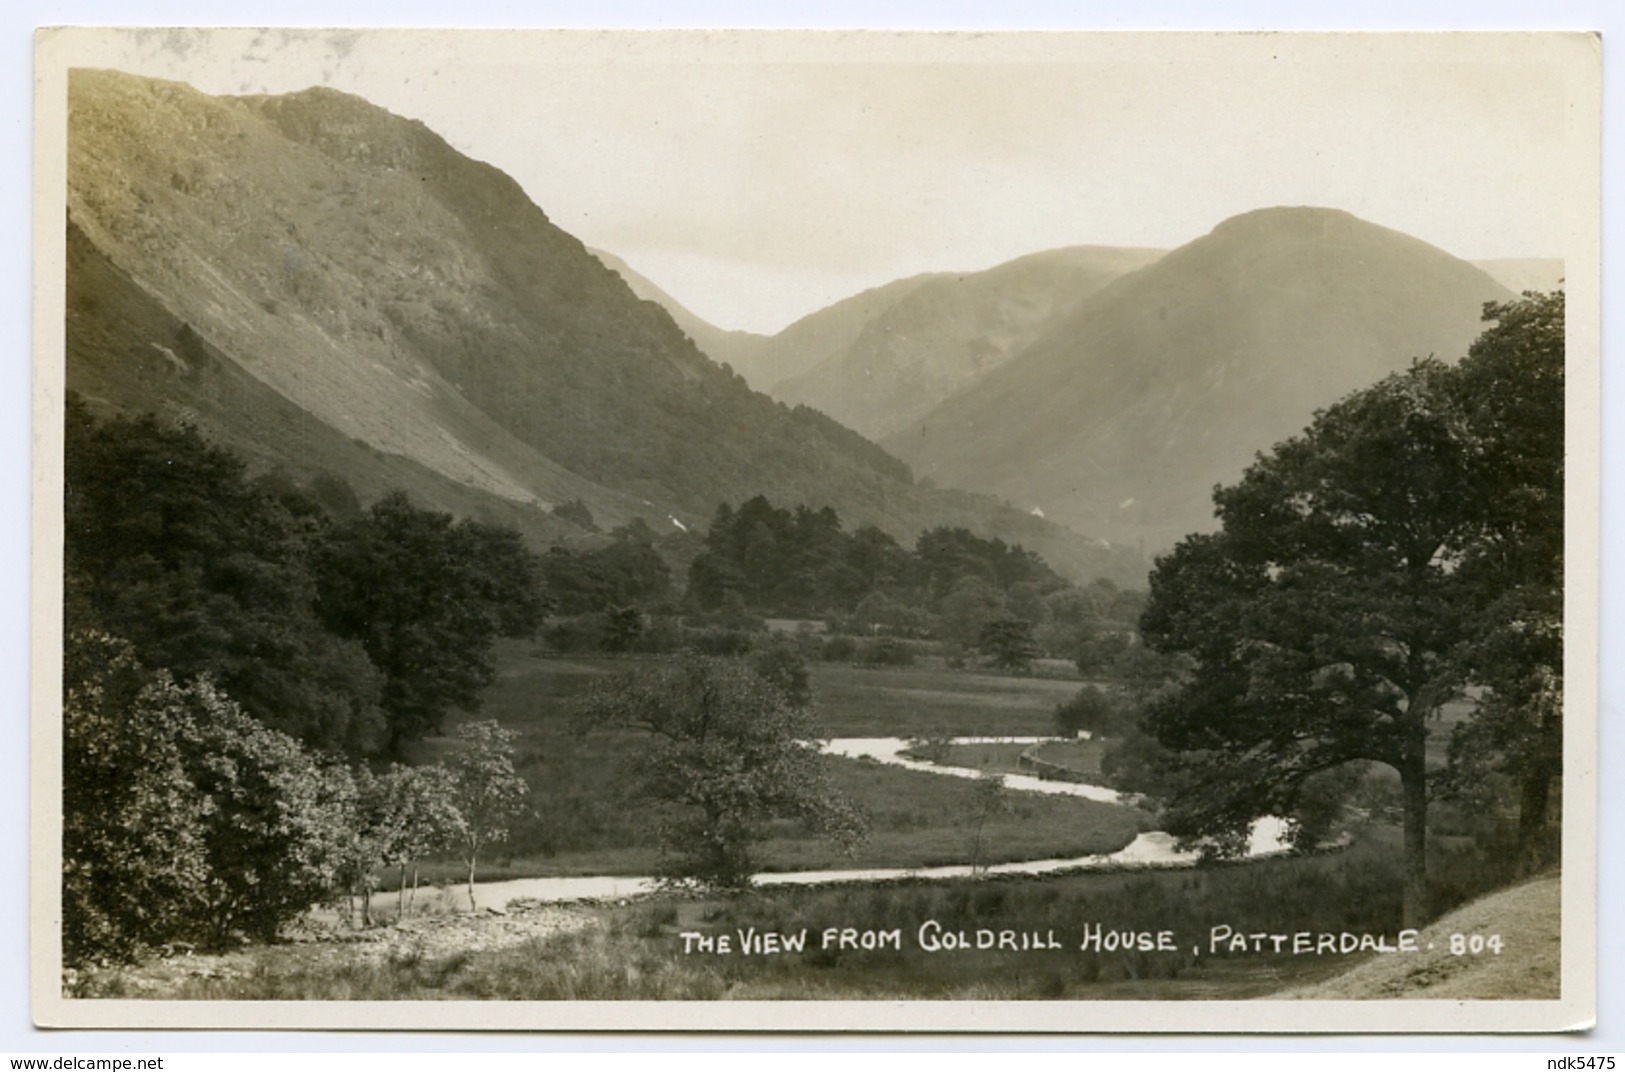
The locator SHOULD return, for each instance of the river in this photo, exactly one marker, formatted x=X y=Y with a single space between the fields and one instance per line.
x=1153 y=849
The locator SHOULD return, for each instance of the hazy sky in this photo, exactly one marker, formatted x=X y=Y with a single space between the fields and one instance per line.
x=759 y=177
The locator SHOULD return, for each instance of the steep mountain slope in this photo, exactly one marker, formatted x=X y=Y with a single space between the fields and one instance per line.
x=949 y=331
x=324 y=285
x=735 y=348
x=126 y=352
x=1168 y=381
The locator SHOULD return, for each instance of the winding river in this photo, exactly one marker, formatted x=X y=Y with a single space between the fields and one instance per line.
x=1153 y=849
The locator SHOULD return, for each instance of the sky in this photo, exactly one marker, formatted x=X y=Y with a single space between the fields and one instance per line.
x=757 y=177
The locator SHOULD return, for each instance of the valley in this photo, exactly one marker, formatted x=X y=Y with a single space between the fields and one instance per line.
x=451 y=575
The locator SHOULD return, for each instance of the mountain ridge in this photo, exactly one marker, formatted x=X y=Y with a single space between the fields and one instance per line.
x=1121 y=419
x=414 y=302
x=733 y=348
x=950 y=330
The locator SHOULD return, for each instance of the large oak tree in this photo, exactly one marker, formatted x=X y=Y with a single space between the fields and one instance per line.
x=1359 y=567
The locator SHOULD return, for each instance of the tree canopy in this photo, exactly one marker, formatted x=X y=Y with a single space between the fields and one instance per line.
x=802 y=561
x=1357 y=564
x=726 y=751
x=169 y=546
x=349 y=632
x=426 y=596
x=184 y=819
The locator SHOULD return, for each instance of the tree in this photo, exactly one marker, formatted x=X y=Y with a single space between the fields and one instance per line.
x=577 y=512
x=967 y=609
x=990 y=798
x=184 y=818
x=623 y=627
x=780 y=664
x=726 y=752
x=1359 y=567
x=277 y=822
x=1009 y=643
x=422 y=819
x=1511 y=386
x=1321 y=620
x=134 y=866
x=427 y=597
x=487 y=791
x=1092 y=710
x=169 y=546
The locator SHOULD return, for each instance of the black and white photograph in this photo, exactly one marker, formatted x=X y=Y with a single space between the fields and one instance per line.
x=816 y=530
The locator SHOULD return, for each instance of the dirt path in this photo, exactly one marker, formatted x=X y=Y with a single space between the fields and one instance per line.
x=1528 y=918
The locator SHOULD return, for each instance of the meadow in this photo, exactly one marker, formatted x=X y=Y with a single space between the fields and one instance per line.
x=585 y=818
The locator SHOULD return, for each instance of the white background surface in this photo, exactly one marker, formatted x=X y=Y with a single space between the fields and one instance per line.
x=21 y=16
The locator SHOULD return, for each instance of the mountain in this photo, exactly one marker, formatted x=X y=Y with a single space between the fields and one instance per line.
x=326 y=287
x=822 y=333
x=1519 y=274
x=734 y=348
x=946 y=332
x=1123 y=417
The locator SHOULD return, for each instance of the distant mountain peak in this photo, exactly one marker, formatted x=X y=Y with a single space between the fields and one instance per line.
x=1279 y=215
x=1123 y=417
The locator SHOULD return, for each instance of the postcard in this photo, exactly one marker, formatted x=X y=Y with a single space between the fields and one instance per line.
x=816 y=531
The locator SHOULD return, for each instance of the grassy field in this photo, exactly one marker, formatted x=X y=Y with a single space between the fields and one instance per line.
x=1080 y=756
x=1002 y=758
x=858 y=702
x=586 y=819
x=996 y=757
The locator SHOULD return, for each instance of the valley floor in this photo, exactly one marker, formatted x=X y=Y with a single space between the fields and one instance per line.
x=623 y=942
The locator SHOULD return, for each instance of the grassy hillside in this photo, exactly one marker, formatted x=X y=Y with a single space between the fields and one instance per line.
x=824 y=332
x=948 y=332
x=1122 y=419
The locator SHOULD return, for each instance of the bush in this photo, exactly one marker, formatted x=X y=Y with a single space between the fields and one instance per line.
x=721 y=642
x=840 y=649
x=885 y=651
x=1093 y=710
x=184 y=819
x=571 y=636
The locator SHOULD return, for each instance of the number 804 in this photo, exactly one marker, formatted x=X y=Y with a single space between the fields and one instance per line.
x=1474 y=944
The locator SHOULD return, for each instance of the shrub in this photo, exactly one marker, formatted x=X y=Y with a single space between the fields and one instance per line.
x=885 y=651
x=184 y=819
x=720 y=642
x=1092 y=709
x=839 y=648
